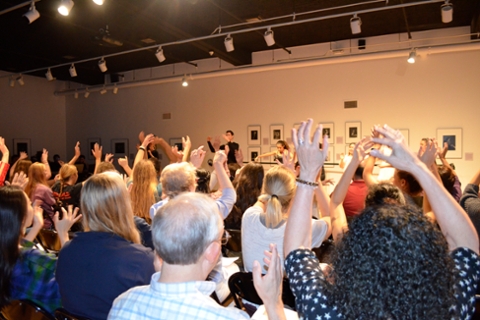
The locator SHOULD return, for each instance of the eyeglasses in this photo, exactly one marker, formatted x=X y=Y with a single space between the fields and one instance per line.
x=226 y=236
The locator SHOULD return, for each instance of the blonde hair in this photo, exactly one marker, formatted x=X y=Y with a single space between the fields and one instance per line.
x=177 y=178
x=106 y=206
x=36 y=176
x=143 y=189
x=66 y=171
x=22 y=166
x=277 y=192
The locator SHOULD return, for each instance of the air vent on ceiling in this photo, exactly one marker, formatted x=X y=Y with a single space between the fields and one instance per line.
x=166 y=116
x=148 y=41
x=350 y=104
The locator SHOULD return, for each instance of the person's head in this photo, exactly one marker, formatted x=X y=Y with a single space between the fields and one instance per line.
x=56 y=157
x=203 y=181
x=177 y=178
x=16 y=213
x=282 y=146
x=22 y=166
x=105 y=167
x=229 y=134
x=156 y=164
x=106 y=207
x=232 y=168
x=448 y=177
x=68 y=173
x=406 y=182
x=384 y=193
x=423 y=144
x=358 y=175
x=351 y=146
x=36 y=176
x=143 y=189
x=187 y=229
x=391 y=263
x=278 y=190
x=81 y=159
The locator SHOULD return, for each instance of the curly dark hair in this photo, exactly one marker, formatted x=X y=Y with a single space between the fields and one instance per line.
x=384 y=193
x=393 y=263
x=248 y=185
x=203 y=181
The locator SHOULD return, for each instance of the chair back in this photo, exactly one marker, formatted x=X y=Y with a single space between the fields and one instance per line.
x=235 y=242
x=25 y=310
x=63 y=314
x=241 y=286
x=49 y=239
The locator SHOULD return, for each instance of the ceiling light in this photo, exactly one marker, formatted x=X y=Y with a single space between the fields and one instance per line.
x=447 y=12
x=49 y=75
x=32 y=14
x=76 y=94
x=159 y=54
x=268 y=35
x=102 y=65
x=184 y=82
x=65 y=7
x=11 y=82
x=355 y=24
x=99 y=2
x=103 y=91
x=20 y=80
x=87 y=93
x=412 y=56
x=115 y=89
x=229 y=43
x=73 y=71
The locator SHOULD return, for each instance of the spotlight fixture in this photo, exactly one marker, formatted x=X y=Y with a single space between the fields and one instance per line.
x=115 y=89
x=11 y=82
x=355 y=24
x=159 y=54
x=229 y=43
x=103 y=91
x=73 y=71
x=447 y=12
x=20 y=80
x=65 y=7
x=184 y=81
x=268 y=35
x=412 y=56
x=76 y=94
x=102 y=65
x=99 y=2
x=87 y=93
x=32 y=14
x=49 y=75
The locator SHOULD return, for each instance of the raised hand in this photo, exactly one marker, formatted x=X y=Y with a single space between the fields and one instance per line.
x=430 y=153
x=197 y=156
x=123 y=161
x=109 y=157
x=97 y=151
x=44 y=158
x=77 y=149
x=216 y=143
x=23 y=155
x=20 y=179
x=3 y=147
x=148 y=139
x=62 y=226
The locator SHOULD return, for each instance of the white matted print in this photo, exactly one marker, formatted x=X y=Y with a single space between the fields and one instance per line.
x=253 y=152
x=454 y=139
x=353 y=132
x=276 y=133
x=254 y=135
x=329 y=130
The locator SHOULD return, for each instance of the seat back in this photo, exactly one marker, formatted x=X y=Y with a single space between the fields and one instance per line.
x=25 y=310
x=235 y=242
x=63 y=314
x=49 y=239
x=241 y=286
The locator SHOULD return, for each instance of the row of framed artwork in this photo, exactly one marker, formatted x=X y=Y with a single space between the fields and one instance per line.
x=353 y=133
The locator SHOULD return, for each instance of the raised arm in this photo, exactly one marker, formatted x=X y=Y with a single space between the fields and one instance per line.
x=141 y=152
x=76 y=155
x=298 y=232
x=123 y=162
x=166 y=148
x=197 y=157
x=187 y=146
x=219 y=166
x=470 y=200
x=22 y=156
x=62 y=226
x=452 y=219
x=4 y=162
x=44 y=159
x=97 y=154
x=323 y=202
x=268 y=154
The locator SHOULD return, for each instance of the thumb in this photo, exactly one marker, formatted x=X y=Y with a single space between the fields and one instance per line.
x=257 y=272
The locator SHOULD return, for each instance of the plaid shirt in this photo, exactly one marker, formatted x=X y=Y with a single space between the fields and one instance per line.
x=187 y=300
x=33 y=278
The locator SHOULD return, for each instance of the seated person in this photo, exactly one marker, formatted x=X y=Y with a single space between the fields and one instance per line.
x=357 y=191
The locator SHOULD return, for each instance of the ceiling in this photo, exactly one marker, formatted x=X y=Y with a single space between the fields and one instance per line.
x=54 y=39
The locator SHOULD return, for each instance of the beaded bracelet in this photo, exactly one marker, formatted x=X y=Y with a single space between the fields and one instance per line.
x=307 y=183
x=142 y=148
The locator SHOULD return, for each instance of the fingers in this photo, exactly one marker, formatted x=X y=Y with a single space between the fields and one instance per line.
x=317 y=134
x=257 y=272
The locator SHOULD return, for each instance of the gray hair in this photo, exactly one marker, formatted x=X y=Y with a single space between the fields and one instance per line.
x=177 y=178
x=183 y=228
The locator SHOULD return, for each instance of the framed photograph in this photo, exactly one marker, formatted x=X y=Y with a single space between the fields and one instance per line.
x=176 y=142
x=90 y=143
x=254 y=135
x=353 y=132
x=454 y=139
x=253 y=152
x=406 y=134
x=276 y=133
x=328 y=129
x=119 y=148
x=21 y=145
x=330 y=161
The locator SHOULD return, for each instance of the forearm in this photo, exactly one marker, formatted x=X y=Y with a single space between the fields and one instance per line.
x=127 y=170
x=223 y=179
x=476 y=178
x=63 y=236
x=275 y=311
x=33 y=232
x=48 y=172
x=3 y=171
x=186 y=154
x=368 y=170
x=210 y=146
x=140 y=155
x=73 y=160
x=97 y=163
x=323 y=201
x=167 y=149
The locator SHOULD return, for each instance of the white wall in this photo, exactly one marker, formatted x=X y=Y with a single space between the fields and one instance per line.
x=33 y=112
x=438 y=91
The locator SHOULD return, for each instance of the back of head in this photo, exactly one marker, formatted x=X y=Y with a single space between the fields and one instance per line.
x=412 y=186
x=177 y=178
x=36 y=175
x=143 y=189
x=384 y=193
x=106 y=206
x=66 y=171
x=447 y=176
x=105 y=167
x=277 y=192
x=393 y=263
x=203 y=181
x=284 y=144
x=22 y=166
x=156 y=164
x=359 y=172
x=183 y=228
x=13 y=210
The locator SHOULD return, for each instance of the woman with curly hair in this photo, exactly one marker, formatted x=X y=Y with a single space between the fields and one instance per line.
x=248 y=185
x=392 y=262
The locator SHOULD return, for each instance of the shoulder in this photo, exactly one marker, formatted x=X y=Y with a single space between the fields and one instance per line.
x=252 y=212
